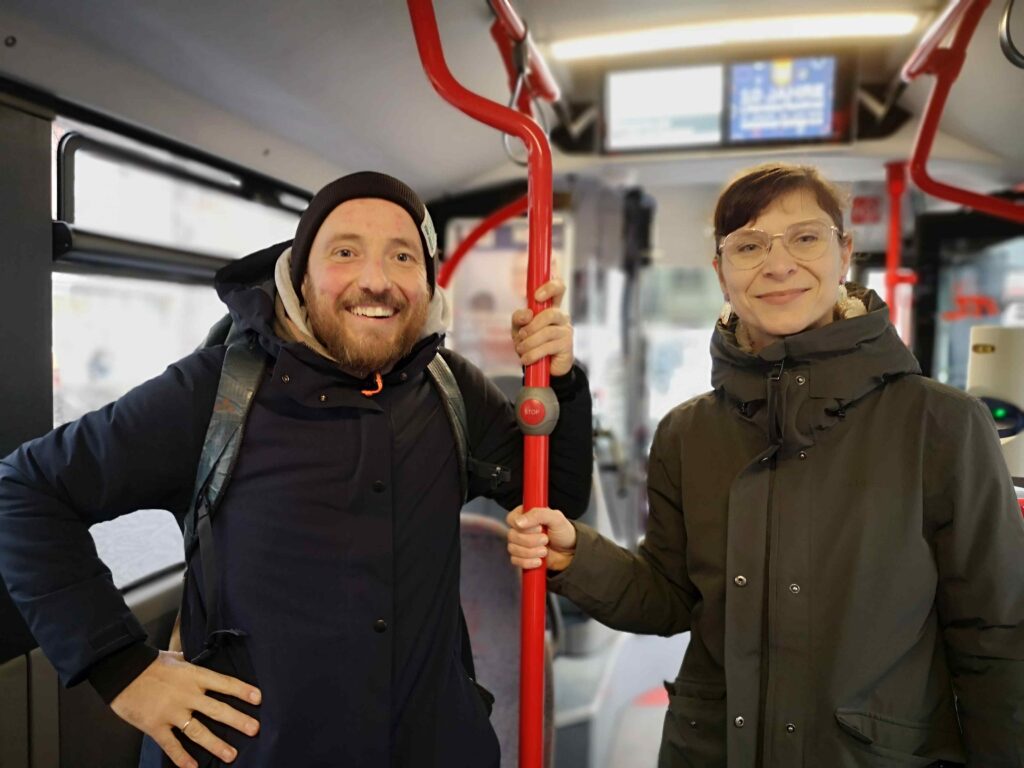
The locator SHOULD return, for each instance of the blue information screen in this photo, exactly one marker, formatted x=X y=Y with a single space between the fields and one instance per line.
x=782 y=99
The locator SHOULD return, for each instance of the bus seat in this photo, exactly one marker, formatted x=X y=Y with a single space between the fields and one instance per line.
x=490 y=587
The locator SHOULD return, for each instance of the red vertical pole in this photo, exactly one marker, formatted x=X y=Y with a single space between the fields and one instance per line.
x=896 y=182
x=535 y=464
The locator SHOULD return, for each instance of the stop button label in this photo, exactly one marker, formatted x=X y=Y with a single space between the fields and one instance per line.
x=532 y=411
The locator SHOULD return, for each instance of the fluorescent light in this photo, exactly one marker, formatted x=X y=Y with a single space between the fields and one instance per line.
x=775 y=29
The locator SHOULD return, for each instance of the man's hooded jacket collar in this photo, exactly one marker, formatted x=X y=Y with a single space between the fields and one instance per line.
x=247 y=287
x=814 y=376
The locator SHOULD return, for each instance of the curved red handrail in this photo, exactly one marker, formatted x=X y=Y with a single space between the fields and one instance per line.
x=945 y=64
x=495 y=220
x=535 y=464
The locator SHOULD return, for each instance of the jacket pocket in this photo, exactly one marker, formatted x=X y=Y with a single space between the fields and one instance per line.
x=903 y=742
x=694 y=734
x=230 y=658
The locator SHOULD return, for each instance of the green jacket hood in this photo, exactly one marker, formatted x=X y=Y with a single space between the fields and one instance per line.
x=805 y=382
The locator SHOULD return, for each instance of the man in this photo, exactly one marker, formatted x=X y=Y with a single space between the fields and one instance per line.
x=337 y=538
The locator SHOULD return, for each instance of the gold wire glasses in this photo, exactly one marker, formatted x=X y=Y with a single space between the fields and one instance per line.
x=805 y=241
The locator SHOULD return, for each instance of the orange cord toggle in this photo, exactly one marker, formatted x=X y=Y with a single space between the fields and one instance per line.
x=380 y=386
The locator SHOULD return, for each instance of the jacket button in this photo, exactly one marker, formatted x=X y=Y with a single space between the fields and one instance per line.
x=693 y=723
x=794 y=588
x=323 y=398
x=378 y=486
x=801 y=380
x=740 y=581
x=739 y=722
x=380 y=626
x=403 y=376
x=286 y=378
x=803 y=454
x=790 y=728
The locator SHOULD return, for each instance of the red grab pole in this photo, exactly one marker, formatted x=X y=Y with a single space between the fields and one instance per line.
x=495 y=220
x=537 y=408
x=896 y=182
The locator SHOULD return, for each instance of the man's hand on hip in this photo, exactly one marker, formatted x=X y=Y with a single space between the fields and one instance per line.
x=170 y=692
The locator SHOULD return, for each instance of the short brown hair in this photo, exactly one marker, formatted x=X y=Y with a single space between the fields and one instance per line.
x=757 y=188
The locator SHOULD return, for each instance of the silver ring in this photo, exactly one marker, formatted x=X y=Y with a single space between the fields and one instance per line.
x=187 y=723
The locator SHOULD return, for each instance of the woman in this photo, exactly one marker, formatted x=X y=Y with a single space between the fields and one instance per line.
x=838 y=533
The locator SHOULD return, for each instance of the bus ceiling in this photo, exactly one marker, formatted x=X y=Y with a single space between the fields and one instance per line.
x=263 y=91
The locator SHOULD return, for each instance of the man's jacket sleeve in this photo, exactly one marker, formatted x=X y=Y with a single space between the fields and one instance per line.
x=494 y=438
x=979 y=549
x=139 y=452
x=647 y=592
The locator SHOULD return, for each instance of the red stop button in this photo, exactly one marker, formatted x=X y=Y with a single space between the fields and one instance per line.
x=532 y=412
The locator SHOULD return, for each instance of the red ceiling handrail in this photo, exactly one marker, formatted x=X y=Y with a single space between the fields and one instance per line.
x=515 y=208
x=917 y=64
x=535 y=464
x=508 y=31
x=945 y=64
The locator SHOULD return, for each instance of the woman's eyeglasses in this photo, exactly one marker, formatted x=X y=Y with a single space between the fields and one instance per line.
x=805 y=241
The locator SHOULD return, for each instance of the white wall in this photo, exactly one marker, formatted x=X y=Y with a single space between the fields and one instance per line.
x=682 y=224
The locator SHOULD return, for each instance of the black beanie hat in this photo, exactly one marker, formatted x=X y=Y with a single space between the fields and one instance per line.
x=359 y=185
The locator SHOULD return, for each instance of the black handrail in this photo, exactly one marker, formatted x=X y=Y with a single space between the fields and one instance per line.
x=114 y=255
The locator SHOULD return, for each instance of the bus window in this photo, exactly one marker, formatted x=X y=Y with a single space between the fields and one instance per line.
x=99 y=354
x=113 y=187
x=110 y=332
x=680 y=307
x=978 y=284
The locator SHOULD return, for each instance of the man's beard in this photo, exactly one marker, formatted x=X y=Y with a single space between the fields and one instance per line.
x=362 y=354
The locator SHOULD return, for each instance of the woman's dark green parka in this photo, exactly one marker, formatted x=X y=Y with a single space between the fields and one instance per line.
x=840 y=536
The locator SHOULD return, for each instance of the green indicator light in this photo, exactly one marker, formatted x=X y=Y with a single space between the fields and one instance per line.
x=999 y=413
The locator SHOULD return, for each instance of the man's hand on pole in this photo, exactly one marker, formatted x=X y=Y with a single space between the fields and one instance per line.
x=548 y=334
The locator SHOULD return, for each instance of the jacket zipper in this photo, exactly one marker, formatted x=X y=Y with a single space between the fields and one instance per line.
x=774 y=378
x=765 y=623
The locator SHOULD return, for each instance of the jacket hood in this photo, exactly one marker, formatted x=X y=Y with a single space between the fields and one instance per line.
x=248 y=288
x=838 y=364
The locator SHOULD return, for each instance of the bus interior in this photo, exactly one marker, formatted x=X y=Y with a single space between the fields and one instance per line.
x=144 y=144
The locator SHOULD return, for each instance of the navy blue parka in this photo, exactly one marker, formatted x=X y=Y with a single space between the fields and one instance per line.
x=337 y=538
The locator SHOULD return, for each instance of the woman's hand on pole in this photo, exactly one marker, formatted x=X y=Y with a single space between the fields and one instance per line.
x=528 y=544
x=547 y=334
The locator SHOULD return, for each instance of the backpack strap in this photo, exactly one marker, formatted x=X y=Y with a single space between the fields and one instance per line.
x=240 y=375
x=455 y=407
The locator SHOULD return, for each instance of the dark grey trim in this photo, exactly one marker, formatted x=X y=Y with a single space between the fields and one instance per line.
x=255 y=185
x=26 y=389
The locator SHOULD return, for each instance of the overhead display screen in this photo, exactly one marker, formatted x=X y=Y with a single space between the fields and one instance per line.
x=782 y=99
x=664 y=108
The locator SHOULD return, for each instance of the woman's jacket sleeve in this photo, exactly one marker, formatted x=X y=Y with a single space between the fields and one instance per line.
x=648 y=592
x=979 y=550
x=139 y=452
